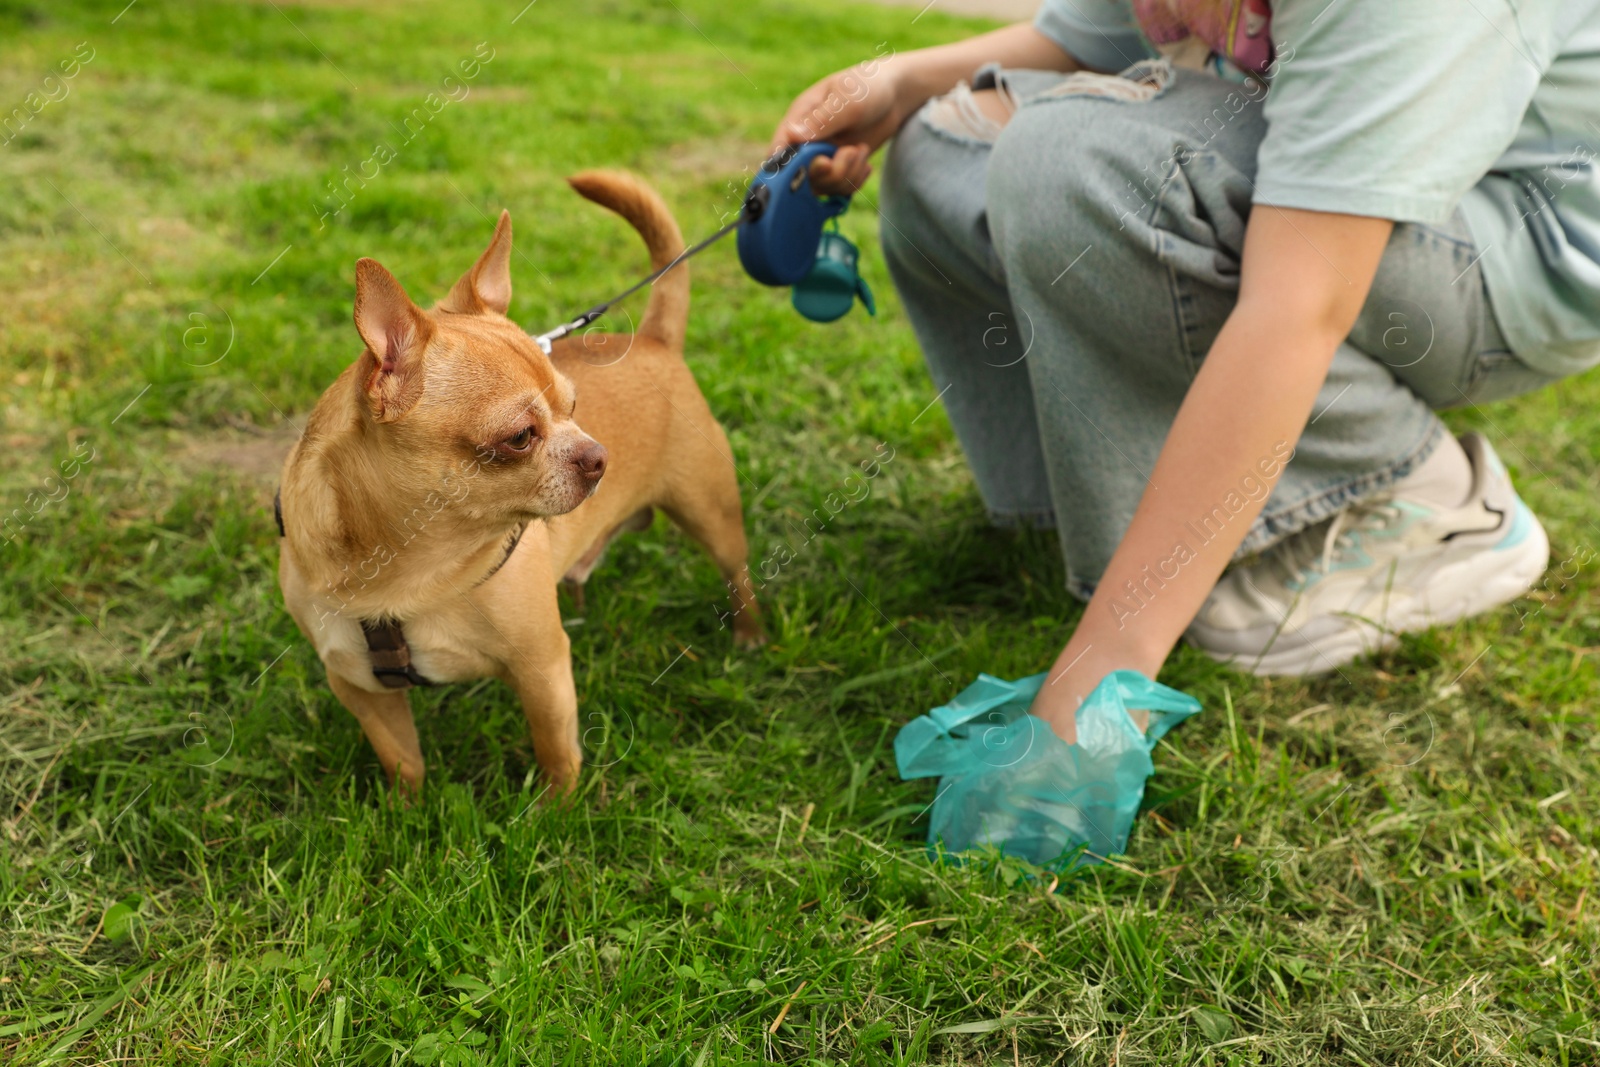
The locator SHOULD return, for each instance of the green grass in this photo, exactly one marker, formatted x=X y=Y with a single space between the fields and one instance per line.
x=198 y=863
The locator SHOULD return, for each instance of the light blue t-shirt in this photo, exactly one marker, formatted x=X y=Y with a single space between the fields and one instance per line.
x=1407 y=109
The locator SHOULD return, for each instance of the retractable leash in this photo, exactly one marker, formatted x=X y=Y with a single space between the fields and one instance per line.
x=781 y=242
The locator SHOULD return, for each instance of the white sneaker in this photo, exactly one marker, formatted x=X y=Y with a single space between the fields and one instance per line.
x=1379 y=568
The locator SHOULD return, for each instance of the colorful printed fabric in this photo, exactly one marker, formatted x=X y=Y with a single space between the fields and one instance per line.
x=1237 y=30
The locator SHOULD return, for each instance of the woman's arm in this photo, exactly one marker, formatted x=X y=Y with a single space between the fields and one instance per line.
x=1303 y=281
x=860 y=108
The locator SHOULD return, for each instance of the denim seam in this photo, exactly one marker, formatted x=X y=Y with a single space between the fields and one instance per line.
x=1477 y=367
x=1159 y=205
x=1460 y=245
x=1473 y=375
x=1271 y=526
x=1031 y=518
x=1180 y=317
x=1074 y=98
x=1486 y=367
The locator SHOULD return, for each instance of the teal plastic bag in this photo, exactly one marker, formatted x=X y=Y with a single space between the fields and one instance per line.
x=1006 y=779
x=831 y=287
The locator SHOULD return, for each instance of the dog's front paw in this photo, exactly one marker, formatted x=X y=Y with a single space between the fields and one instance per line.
x=748 y=633
x=560 y=780
x=405 y=781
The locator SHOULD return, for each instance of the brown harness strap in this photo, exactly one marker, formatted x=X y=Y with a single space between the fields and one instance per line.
x=391 y=656
x=386 y=639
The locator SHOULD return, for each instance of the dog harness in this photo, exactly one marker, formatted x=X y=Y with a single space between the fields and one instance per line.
x=386 y=637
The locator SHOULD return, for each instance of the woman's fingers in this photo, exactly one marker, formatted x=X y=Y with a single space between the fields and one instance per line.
x=849 y=159
x=834 y=109
x=808 y=120
x=861 y=167
x=851 y=167
x=844 y=173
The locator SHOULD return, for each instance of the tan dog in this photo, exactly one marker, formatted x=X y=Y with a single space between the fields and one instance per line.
x=443 y=485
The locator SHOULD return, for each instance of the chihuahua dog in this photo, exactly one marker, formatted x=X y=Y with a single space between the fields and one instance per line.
x=445 y=483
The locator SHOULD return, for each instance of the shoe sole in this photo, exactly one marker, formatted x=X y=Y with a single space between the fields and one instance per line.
x=1455 y=591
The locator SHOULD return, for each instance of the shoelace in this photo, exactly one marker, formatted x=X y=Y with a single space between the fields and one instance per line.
x=1315 y=549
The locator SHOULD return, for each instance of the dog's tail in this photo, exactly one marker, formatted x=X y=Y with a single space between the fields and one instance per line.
x=668 y=310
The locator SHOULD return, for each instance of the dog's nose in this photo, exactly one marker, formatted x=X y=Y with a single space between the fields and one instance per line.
x=591 y=461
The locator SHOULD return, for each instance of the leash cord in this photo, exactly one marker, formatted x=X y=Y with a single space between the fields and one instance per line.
x=751 y=210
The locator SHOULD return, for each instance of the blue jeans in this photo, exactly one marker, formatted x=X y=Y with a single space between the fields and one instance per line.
x=1067 y=274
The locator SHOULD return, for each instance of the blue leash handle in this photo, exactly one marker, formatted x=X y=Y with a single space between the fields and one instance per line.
x=779 y=245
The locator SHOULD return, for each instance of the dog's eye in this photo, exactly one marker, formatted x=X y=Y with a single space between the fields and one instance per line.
x=521 y=442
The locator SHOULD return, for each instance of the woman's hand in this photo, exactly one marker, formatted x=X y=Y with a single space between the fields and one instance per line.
x=861 y=107
x=857 y=109
x=1074 y=676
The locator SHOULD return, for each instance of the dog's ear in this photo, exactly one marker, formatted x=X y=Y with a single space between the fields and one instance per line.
x=487 y=286
x=396 y=333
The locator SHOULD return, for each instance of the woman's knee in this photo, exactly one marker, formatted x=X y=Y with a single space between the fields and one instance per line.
x=1052 y=177
x=1069 y=173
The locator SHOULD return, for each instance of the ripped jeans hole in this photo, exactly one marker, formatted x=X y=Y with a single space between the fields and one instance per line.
x=1145 y=80
x=958 y=112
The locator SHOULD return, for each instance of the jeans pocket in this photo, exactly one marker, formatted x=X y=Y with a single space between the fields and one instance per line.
x=1498 y=375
